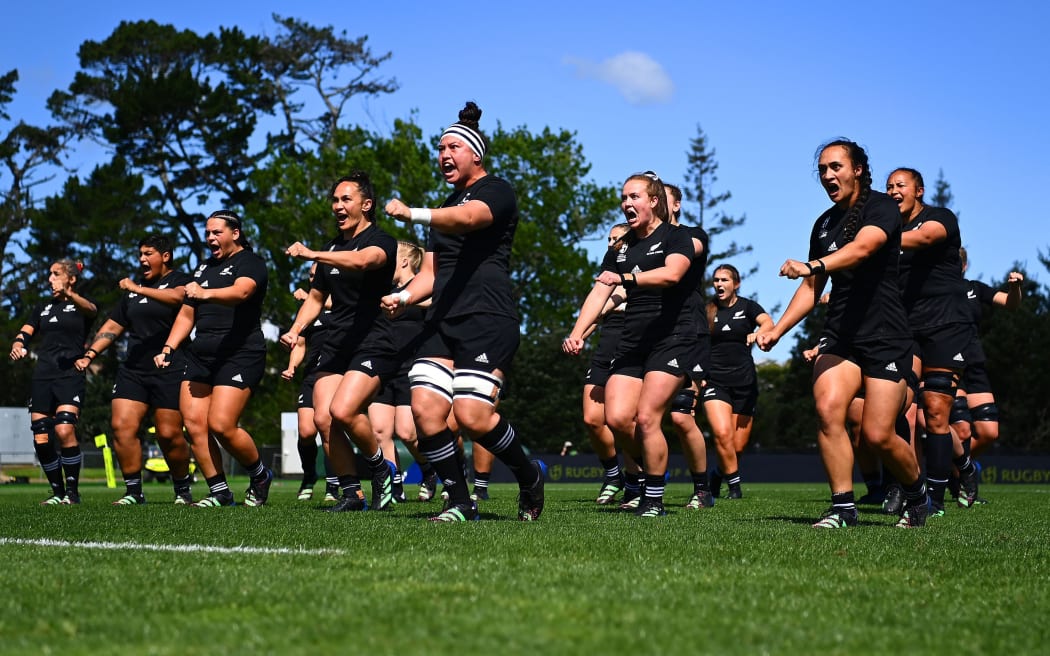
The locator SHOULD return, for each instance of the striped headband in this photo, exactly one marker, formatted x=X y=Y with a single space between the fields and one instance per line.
x=469 y=135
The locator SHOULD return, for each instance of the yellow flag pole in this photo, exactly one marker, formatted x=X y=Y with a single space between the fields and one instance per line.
x=107 y=458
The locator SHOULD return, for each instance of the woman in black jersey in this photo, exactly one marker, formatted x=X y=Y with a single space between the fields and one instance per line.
x=659 y=343
x=684 y=403
x=60 y=327
x=472 y=329
x=976 y=388
x=602 y=441
x=865 y=343
x=391 y=409
x=731 y=393
x=974 y=404
x=355 y=270
x=934 y=298
x=145 y=313
x=307 y=349
x=225 y=360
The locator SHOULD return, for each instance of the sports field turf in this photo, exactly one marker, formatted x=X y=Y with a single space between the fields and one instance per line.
x=745 y=577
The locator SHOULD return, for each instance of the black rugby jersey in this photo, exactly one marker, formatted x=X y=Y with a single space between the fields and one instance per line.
x=472 y=270
x=316 y=336
x=978 y=297
x=666 y=310
x=222 y=330
x=147 y=322
x=695 y=276
x=408 y=324
x=59 y=332
x=356 y=312
x=931 y=281
x=730 y=352
x=865 y=301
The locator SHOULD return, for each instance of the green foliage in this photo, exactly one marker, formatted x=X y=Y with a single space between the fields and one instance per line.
x=162 y=99
x=1016 y=344
x=292 y=202
x=786 y=419
x=942 y=192
x=99 y=222
x=302 y=56
x=26 y=153
x=544 y=393
x=700 y=178
x=558 y=207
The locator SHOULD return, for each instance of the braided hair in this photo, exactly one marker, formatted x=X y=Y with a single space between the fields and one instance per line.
x=859 y=158
x=233 y=221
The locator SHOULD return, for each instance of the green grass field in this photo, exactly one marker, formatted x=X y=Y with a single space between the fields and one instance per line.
x=745 y=577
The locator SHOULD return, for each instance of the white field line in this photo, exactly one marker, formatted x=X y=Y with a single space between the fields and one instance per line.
x=178 y=548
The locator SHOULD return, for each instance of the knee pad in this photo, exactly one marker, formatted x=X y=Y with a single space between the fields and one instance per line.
x=66 y=418
x=43 y=426
x=941 y=382
x=430 y=375
x=960 y=412
x=684 y=401
x=985 y=412
x=477 y=385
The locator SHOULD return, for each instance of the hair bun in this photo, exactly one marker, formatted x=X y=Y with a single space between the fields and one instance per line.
x=470 y=114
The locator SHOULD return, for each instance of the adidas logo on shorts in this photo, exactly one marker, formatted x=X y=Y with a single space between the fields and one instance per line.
x=483 y=359
x=367 y=364
x=237 y=379
x=892 y=367
x=959 y=358
x=673 y=363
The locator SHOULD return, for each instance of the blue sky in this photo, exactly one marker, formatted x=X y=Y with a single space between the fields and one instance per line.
x=960 y=86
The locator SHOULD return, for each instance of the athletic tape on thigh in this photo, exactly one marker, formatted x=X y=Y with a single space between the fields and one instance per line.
x=985 y=412
x=960 y=413
x=65 y=417
x=477 y=385
x=42 y=426
x=427 y=374
x=941 y=382
x=684 y=401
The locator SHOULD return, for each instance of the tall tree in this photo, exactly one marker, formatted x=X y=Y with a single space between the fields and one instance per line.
x=700 y=178
x=159 y=98
x=1017 y=344
x=184 y=110
x=29 y=155
x=291 y=200
x=558 y=207
x=334 y=67
x=942 y=192
x=98 y=221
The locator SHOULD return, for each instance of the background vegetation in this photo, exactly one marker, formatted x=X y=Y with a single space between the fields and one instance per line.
x=188 y=123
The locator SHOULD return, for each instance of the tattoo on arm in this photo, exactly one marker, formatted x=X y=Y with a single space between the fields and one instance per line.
x=107 y=335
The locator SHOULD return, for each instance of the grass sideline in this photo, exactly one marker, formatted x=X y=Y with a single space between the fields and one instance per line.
x=747 y=576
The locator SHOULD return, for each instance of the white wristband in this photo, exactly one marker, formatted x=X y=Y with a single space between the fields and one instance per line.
x=420 y=215
x=403 y=297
